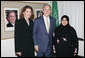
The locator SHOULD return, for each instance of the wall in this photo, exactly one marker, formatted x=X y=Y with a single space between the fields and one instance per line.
x=19 y=5
x=7 y=48
x=81 y=48
x=74 y=9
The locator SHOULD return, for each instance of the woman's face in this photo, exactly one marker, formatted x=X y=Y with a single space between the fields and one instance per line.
x=64 y=22
x=27 y=13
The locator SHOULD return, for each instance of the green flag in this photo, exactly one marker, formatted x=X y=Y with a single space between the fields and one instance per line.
x=55 y=12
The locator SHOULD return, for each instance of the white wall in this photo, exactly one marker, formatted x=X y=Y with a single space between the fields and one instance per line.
x=75 y=11
x=8 y=48
x=81 y=48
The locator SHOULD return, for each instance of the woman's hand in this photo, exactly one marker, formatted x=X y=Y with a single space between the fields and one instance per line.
x=58 y=41
x=64 y=39
x=18 y=53
x=36 y=48
x=75 y=52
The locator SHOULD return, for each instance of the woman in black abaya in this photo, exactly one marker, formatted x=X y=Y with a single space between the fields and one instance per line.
x=66 y=41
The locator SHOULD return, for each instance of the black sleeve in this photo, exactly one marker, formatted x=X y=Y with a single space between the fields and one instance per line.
x=17 y=36
x=75 y=39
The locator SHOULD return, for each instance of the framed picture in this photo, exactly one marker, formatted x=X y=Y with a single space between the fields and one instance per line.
x=7 y=31
x=39 y=12
x=10 y=15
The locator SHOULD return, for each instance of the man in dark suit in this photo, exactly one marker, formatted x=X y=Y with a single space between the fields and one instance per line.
x=43 y=31
x=12 y=18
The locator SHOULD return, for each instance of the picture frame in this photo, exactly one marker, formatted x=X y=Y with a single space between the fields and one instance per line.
x=8 y=32
x=10 y=16
x=38 y=12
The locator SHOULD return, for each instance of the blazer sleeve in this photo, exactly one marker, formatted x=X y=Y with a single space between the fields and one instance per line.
x=35 y=30
x=17 y=37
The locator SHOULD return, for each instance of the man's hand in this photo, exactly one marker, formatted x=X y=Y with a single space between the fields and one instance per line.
x=54 y=51
x=36 y=48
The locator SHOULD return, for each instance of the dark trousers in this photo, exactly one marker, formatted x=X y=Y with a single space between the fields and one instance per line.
x=48 y=53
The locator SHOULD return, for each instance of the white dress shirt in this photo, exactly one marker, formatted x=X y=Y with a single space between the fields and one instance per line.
x=12 y=24
x=48 y=20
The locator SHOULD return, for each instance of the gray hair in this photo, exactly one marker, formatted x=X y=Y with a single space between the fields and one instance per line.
x=46 y=5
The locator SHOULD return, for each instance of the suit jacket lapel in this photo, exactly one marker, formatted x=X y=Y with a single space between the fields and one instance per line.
x=43 y=23
x=45 y=26
x=25 y=23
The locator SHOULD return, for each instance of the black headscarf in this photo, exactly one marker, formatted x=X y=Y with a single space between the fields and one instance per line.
x=66 y=26
x=65 y=16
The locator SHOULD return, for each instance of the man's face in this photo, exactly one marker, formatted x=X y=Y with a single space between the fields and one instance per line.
x=12 y=17
x=47 y=11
